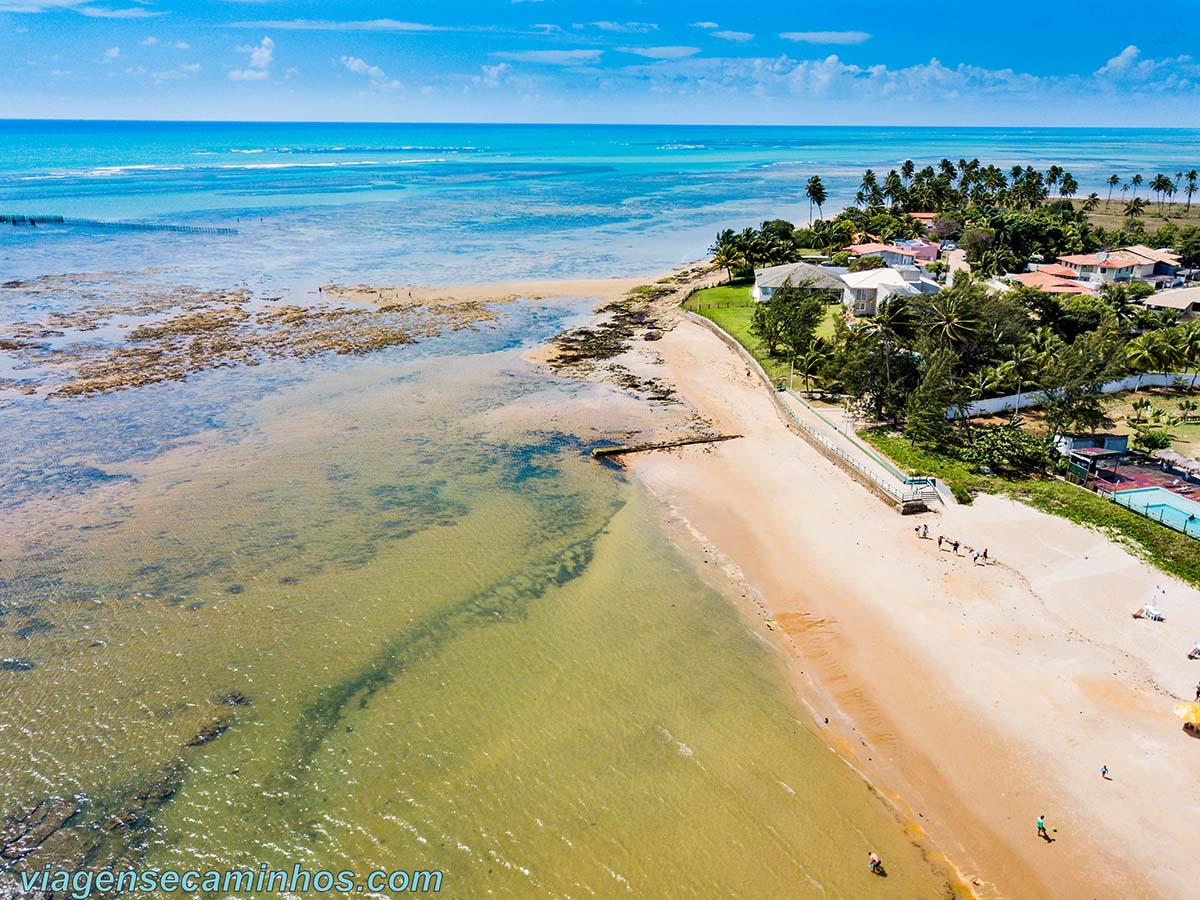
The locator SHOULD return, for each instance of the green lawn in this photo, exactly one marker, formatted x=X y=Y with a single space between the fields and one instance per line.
x=1171 y=551
x=730 y=306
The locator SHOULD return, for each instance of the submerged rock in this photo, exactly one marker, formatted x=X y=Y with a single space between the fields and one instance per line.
x=17 y=665
x=208 y=732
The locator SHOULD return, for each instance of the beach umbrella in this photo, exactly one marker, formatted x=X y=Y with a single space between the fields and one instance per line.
x=1189 y=712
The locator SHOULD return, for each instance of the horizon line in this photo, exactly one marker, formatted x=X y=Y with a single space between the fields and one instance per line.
x=599 y=124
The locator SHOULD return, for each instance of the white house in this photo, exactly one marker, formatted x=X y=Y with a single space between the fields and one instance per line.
x=866 y=290
x=1136 y=263
x=767 y=281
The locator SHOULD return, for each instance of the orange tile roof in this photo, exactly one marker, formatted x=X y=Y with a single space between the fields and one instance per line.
x=1051 y=284
x=1060 y=271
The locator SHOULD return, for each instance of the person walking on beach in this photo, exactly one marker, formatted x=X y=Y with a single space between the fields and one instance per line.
x=1041 y=827
x=985 y=556
x=955 y=546
x=925 y=532
x=874 y=863
x=1198 y=691
x=1104 y=773
x=974 y=557
x=939 y=542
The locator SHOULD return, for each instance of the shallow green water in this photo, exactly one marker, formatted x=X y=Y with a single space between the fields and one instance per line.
x=464 y=646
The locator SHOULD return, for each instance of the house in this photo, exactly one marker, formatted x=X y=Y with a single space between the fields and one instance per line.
x=926 y=251
x=767 y=281
x=1087 y=452
x=866 y=290
x=892 y=255
x=1184 y=300
x=925 y=218
x=1136 y=263
x=1051 y=282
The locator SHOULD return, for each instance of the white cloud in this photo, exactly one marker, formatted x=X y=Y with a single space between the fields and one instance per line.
x=826 y=37
x=661 y=52
x=626 y=27
x=552 y=57
x=492 y=76
x=111 y=53
x=183 y=71
x=1130 y=68
x=330 y=25
x=259 y=54
x=97 y=12
x=248 y=75
x=80 y=6
x=738 y=37
x=711 y=26
x=155 y=42
x=377 y=78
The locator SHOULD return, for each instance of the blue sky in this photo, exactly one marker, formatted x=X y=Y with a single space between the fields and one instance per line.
x=1072 y=62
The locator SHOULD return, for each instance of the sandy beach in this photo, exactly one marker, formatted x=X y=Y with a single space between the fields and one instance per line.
x=974 y=697
x=493 y=292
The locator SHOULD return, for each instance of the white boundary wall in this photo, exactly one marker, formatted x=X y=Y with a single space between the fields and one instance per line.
x=1036 y=398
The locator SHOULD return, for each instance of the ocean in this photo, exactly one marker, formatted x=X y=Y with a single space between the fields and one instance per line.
x=445 y=203
x=380 y=610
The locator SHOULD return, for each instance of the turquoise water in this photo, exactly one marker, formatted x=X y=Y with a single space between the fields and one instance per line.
x=445 y=203
x=1164 y=506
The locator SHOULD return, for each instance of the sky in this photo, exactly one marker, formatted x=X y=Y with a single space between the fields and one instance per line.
x=954 y=62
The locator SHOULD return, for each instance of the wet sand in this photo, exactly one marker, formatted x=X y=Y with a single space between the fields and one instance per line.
x=975 y=698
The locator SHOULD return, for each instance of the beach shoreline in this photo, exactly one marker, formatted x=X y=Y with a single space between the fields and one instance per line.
x=907 y=645
x=901 y=648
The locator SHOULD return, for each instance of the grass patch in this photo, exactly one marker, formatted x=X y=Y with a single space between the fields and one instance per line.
x=1174 y=553
x=731 y=307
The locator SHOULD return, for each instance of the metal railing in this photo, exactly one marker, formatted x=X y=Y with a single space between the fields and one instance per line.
x=1190 y=528
x=888 y=486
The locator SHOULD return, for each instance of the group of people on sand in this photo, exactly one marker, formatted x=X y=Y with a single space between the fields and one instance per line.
x=978 y=557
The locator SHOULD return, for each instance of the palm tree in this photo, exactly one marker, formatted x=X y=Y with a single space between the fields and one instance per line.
x=1067 y=185
x=815 y=192
x=1135 y=207
x=1161 y=185
x=1141 y=356
x=1190 y=189
x=1124 y=189
x=1113 y=181
x=893 y=189
x=1092 y=203
x=728 y=257
x=907 y=170
x=1141 y=408
x=869 y=184
x=1053 y=174
x=1137 y=183
x=952 y=320
x=1191 y=349
x=811 y=362
x=1024 y=364
x=894 y=323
